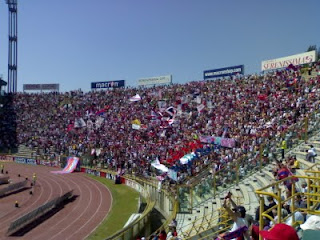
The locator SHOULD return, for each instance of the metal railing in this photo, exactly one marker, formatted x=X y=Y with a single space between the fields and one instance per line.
x=208 y=220
x=312 y=196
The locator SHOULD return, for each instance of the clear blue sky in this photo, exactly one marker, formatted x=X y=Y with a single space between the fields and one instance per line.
x=75 y=42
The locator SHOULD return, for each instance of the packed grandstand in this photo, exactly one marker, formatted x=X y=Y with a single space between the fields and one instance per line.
x=173 y=133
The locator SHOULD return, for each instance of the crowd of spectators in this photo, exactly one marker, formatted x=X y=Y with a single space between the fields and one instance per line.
x=165 y=123
x=249 y=109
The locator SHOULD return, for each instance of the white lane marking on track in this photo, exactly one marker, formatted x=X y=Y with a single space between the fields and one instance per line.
x=97 y=210
x=110 y=207
x=84 y=211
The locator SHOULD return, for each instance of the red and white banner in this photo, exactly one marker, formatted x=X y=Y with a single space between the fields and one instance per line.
x=297 y=59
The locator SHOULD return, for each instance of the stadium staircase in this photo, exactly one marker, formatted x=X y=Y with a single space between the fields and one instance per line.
x=204 y=219
x=24 y=151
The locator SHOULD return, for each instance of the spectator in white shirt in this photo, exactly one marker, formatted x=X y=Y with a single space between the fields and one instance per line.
x=311 y=154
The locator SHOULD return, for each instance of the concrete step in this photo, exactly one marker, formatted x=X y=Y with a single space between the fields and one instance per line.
x=268 y=175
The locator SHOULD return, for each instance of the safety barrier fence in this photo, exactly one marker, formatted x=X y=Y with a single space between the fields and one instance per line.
x=160 y=199
x=313 y=167
x=312 y=196
x=28 y=218
x=13 y=187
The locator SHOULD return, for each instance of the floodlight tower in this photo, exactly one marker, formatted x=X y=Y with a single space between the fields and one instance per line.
x=13 y=45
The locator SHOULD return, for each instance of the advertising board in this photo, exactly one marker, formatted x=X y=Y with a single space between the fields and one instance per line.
x=31 y=161
x=6 y=158
x=20 y=160
x=108 y=84
x=40 y=87
x=297 y=59
x=223 y=72
x=23 y=160
x=155 y=80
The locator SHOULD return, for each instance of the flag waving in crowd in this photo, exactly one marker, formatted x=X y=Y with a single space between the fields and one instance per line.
x=135 y=98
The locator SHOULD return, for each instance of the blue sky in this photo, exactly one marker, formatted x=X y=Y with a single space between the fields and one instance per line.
x=76 y=42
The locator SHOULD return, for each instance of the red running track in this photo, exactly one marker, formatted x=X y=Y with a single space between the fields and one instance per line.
x=75 y=221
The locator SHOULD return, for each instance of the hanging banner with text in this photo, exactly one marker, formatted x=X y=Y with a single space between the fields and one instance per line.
x=223 y=72
x=297 y=59
x=40 y=87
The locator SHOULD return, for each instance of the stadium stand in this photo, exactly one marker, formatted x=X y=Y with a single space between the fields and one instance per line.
x=251 y=120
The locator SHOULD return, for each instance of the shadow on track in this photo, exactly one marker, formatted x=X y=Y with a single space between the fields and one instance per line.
x=43 y=218
x=15 y=192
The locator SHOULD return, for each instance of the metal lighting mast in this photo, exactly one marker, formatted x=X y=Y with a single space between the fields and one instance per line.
x=13 y=45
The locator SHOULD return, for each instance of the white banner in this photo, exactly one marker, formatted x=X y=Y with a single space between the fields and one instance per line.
x=155 y=80
x=136 y=126
x=301 y=58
